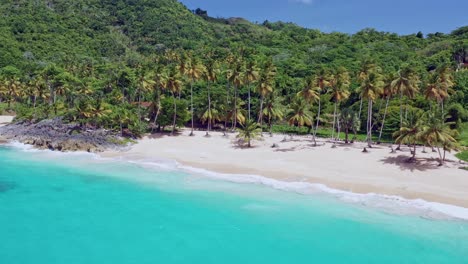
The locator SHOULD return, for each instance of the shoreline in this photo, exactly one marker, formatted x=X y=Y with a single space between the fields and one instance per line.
x=393 y=204
x=344 y=168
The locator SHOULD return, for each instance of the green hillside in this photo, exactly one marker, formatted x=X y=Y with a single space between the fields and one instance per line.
x=96 y=61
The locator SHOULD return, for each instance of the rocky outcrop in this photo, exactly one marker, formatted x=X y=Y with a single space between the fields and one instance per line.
x=54 y=134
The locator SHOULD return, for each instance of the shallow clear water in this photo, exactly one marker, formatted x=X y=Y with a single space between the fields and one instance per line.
x=57 y=208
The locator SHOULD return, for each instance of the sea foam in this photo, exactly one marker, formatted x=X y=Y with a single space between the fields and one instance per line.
x=387 y=203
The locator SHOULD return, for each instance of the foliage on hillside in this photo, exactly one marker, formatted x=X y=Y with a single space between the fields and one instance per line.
x=144 y=65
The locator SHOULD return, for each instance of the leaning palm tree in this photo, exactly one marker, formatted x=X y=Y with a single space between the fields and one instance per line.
x=250 y=131
x=371 y=88
x=339 y=83
x=174 y=84
x=194 y=72
x=250 y=76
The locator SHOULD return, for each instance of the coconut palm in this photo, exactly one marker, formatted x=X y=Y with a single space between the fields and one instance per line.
x=174 y=84
x=350 y=122
x=211 y=75
x=145 y=83
x=265 y=86
x=212 y=114
x=250 y=131
x=367 y=67
x=310 y=92
x=411 y=132
x=321 y=82
x=250 y=76
x=159 y=86
x=445 y=81
x=371 y=88
x=194 y=72
x=299 y=114
x=438 y=134
x=387 y=94
x=406 y=84
x=235 y=77
x=339 y=83
x=273 y=110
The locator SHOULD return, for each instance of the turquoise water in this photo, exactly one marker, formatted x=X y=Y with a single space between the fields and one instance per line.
x=57 y=208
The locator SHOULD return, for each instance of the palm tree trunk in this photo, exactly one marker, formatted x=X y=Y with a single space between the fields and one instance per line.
x=175 y=114
x=360 y=109
x=260 y=113
x=191 y=105
x=318 y=120
x=209 y=110
x=34 y=107
x=227 y=105
x=270 y=125
x=369 y=123
x=383 y=120
x=248 y=87
x=235 y=108
x=441 y=160
x=414 y=151
x=334 y=118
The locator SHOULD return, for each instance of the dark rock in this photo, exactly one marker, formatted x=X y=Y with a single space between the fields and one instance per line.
x=54 y=134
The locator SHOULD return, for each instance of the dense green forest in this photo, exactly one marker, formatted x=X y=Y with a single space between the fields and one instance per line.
x=138 y=66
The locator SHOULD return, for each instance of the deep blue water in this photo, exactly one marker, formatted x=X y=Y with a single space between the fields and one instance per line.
x=67 y=209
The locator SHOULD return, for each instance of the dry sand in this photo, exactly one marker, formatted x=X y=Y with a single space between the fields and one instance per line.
x=345 y=167
x=5 y=119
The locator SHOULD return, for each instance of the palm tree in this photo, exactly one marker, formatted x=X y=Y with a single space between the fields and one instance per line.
x=406 y=84
x=321 y=82
x=250 y=131
x=438 y=134
x=299 y=113
x=445 y=82
x=411 y=132
x=235 y=77
x=349 y=122
x=388 y=92
x=265 y=86
x=250 y=75
x=159 y=85
x=371 y=88
x=145 y=83
x=174 y=84
x=211 y=76
x=367 y=67
x=339 y=83
x=310 y=93
x=273 y=110
x=194 y=72
x=210 y=116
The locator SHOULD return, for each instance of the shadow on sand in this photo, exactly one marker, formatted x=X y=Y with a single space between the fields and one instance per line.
x=405 y=163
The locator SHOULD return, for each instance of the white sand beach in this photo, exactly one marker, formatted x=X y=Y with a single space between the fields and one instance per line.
x=5 y=119
x=345 y=167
